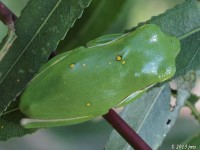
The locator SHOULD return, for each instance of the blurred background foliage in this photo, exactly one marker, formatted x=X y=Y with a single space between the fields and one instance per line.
x=94 y=134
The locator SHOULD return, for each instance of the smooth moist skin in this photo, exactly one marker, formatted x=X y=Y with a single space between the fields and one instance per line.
x=86 y=82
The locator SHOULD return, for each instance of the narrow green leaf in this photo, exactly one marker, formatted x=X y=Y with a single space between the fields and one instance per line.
x=40 y=27
x=149 y=116
x=99 y=19
x=9 y=123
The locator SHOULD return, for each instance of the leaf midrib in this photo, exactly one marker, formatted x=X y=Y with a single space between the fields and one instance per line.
x=36 y=33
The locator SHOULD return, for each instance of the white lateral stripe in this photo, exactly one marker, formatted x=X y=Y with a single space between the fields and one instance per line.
x=129 y=98
x=26 y=121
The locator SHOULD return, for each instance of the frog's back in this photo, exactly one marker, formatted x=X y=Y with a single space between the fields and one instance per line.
x=90 y=81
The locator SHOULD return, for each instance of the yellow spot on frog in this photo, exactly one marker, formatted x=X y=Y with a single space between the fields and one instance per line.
x=2 y=127
x=84 y=65
x=18 y=80
x=88 y=104
x=110 y=63
x=123 y=62
x=119 y=58
x=72 y=65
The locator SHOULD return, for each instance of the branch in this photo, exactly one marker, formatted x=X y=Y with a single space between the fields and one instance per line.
x=194 y=110
x=6 y=16
x=126 y=131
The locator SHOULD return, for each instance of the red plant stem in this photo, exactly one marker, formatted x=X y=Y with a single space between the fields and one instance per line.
x=6 y=16
x=126 y=131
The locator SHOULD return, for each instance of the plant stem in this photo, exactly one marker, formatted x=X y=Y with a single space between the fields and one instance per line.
x=194 y=110
x=126 y=131
x=6 y=16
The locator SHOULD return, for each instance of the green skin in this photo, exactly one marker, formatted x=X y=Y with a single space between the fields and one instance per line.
x=111 y=72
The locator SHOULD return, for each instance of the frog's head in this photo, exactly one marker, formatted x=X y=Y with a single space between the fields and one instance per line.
x=158 y=55
x=168 y=64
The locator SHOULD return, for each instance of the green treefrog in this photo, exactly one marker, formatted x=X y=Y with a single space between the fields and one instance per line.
x=86 y=82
